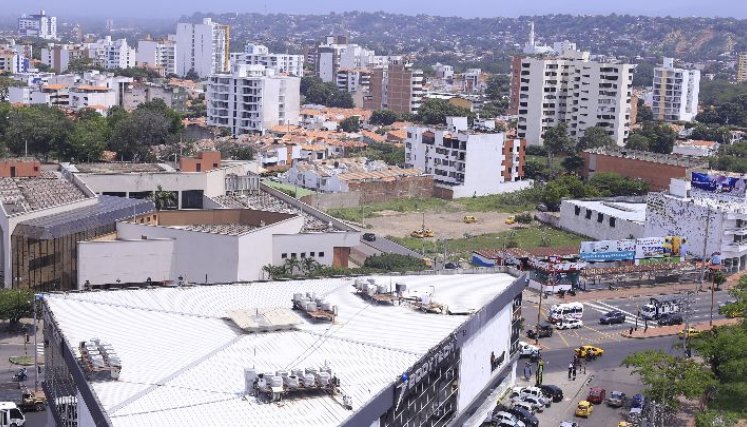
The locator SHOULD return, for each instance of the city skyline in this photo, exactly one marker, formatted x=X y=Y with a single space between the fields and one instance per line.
x=468 y=8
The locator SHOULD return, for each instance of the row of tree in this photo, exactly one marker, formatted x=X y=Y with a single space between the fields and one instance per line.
x=48 y=132
x=316 y=91
x=599 y=185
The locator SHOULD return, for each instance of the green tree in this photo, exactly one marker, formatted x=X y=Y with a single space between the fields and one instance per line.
x=643 y=76
x=595 y=137
x=164 y=199
x=498 y=86
x=645 y=113
x=435 y=111
x=292 y=266
x=609 y=184
x=667 y=378
x=556 y=142
x=15 y=304
x=383 y=117
x=152 y=123
x=722 y=348
x=638 y=142
x=316 y=91
x=572 y=164
x=660 y=135
x=350 y=124
x=89 y=136
x=44 y=130
x=192 y=75
x=394 y=262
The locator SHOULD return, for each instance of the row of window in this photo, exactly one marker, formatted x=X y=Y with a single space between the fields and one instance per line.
x=303 y=255
x=600 y=216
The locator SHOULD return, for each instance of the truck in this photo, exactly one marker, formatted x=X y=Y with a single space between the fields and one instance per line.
x=655 y=308
x=24 y=398
x=11 y=415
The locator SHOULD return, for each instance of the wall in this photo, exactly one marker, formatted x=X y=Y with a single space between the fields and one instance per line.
x=205 y=161
x=506 y=187
x=257 y=249
x=409 y=187
x=657 y=175
x=130 y=261
x=22 y=167
x=312 y=242
x=475 y=370
x=326 y=201
x=591 y=227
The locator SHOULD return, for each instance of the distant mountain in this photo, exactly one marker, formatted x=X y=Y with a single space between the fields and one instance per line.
x=692 y=39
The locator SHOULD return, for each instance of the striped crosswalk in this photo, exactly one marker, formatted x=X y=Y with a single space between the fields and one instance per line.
x=603 y=307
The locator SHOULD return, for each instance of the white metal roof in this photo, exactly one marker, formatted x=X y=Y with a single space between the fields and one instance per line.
x=635 y=212
x=183 y=363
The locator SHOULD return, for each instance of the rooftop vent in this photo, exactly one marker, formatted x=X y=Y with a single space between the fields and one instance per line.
x=99 y=360
x=274 y=319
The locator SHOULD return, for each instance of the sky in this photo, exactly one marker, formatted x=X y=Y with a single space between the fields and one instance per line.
x=166 y=9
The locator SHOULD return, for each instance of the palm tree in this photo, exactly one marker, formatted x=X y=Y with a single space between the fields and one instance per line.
x=309 y=266
x=274 y=271
x=163 y=199
x=292 y=265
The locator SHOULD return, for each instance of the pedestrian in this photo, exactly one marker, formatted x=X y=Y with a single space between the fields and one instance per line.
x=574 y=373
x=583 y=365
x=631 y=331
x=570 y=370
x=645 y=326
x=588 y=357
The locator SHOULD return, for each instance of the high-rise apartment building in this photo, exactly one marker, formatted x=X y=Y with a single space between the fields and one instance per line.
x=571 y=89
x=111 y=54
x=58 y=56
x=675 y=92
x=252 y=99
x=41 y=25
x=202 y=48
x=255 y=54
x=157 y=54
x=397 y=87
x=742 y=67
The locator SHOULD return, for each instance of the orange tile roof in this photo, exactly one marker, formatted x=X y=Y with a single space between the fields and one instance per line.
x=54 y=86
x=313 y=147
x=91 y=88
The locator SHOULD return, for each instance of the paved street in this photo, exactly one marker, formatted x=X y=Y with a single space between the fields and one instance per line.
x=13 y=345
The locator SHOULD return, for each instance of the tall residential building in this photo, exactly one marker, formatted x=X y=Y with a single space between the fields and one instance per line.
x=111 y=54
x=202 y=48
x=397 y=87
x=252 y=99
x=41 y=25
x=157 y=54
x=58 y=56
x=336 y=53
x=465 y=162
x=255 y=54
x=675 y=92
x=742 y=67
x=573 y=90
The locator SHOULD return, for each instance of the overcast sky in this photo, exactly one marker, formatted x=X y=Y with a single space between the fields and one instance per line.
x=468 y=8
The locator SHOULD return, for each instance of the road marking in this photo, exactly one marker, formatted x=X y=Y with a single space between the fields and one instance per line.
x=563 y=339
x=603 y=308
x=615 y=337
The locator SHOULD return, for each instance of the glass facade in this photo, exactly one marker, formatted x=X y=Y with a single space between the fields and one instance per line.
x=59 y=384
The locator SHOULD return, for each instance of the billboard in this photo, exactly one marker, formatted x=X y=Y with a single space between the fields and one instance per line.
x=608 y=250
x=719 y=184
x=659 y=247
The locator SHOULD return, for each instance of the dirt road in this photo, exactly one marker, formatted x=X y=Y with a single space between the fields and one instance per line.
x=450 y=225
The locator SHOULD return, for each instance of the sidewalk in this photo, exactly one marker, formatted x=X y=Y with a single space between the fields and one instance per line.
x=663 y=331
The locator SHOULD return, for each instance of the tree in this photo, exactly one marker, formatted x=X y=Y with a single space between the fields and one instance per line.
x=435 y=111
x=89 y=136
x=644 y=74
x=192 y=75
x=718 y=279
x=350 y=124
x=572 y=164
x=383 y=117
x=638 y=142
x=595 y=137
x=667 y=377
x=498 y=86
x=164 y=199
x=316 y=91
x=274 y=271
x=152 y=123
x=645 y=113
x=7 y=82
x=722 y=348
x=394 y=262
x=44 y=130
x=292 y=266
x=16 y=304
x=556 y=141
x=309 y=266
x=609 y=184
x=660 y=135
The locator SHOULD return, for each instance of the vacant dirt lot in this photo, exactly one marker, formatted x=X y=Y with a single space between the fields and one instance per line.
x=450 y=225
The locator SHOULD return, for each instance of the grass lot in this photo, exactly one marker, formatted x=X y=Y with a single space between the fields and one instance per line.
x=288 y=189
x=529 y=237
x=509 y=203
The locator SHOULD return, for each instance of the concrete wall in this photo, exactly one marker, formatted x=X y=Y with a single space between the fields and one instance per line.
x=579 y=224
x=505 y=187
x=326 y=201
x=657 y=175
x=257 y=249
x=312 y=242
x=409 y=187
x=130 y=261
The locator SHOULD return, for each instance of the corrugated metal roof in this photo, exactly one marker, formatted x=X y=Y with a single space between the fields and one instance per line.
x=183 y=363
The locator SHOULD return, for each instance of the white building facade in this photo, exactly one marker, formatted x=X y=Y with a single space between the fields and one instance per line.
x=604 y=219
x=40 y=25
x=202 y=48
x=255 y=54
x=675 y=92
x=112 y=54
x=252 y=99
x=572 y=89
x=159 y=54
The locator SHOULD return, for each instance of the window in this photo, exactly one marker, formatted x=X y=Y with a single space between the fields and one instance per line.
x=293 y=255
x=303 y=254
x=284 y=256
x=321 y=254
x=612 y=222
x=600 y=217
x=311 y=254
x=588 y=214
x=578 y=210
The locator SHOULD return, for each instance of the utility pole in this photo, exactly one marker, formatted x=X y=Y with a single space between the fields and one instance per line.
x=539 y=313
x=705 y=247
x=713 y=290
x=36 y=350
x=687 y=308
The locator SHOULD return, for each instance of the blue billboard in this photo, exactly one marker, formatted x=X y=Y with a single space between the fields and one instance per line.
x=608 y=250
x=719 y=184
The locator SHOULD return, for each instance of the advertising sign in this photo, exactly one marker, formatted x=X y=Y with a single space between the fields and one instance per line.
x=608 y=250
x=659 y=247
x=719 y=184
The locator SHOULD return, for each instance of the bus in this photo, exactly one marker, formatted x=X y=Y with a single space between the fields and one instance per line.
x=573 y=310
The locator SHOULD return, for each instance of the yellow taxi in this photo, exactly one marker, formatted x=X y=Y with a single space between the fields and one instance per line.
x=624 y=424
x=511 y=220
x=689 y=332
x=584 y=409
x=469 y=219
x=585 y=350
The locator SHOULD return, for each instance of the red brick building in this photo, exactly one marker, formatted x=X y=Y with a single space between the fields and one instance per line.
x=19 y=167
x=205 y=161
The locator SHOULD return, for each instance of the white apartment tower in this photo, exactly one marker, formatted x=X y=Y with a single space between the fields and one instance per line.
x=255 y=54
x=252 y=99
x=574 y=90
x=158 y=54
x=112 y=54
x=675 y=92
x=202 y=48
x=41 y=25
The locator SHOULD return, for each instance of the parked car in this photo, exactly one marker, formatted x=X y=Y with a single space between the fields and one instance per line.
x=553 y=392
x=526 y=349
x=596 y=395
x=616 y=399
x=537 y=403
x=570 y=324
x=670 y=319
x=689 y=332
x=635 y=415
x=510 y=220
x=536 y=392
x=452 y=265
x=522 y=405
x=568 y=424
x=507 y=418
x=584 y=409
x=525 y=415
x=586 y=350
x=543 y=331
x=369 y=237
x=612 y=317
x=638 y=401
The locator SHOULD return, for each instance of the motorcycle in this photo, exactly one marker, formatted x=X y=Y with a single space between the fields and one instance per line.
x=21 y=375
x=572 y=293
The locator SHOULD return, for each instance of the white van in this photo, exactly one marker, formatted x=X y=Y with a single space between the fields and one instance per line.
x=574 y=310
x=11 y=415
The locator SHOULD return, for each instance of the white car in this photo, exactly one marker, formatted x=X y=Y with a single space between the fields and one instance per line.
x=526 y=406
x=570 y=324
x=526 y=349
x=537 y=403
x=506 y=418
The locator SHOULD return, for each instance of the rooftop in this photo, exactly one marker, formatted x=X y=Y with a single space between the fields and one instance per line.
x=666 y=159
x=263 y=201
x=635 y=212
x=192 y=359
x=120 y=167
x=28 y=194
x=231 y=222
